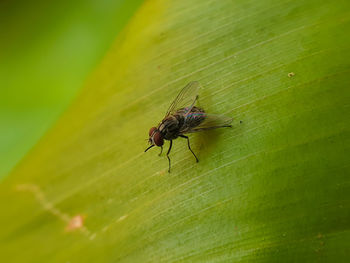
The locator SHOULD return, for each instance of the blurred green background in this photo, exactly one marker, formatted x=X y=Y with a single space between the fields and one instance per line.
x=47 y=50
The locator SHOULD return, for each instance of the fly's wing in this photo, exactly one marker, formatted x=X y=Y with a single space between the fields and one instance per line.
x=186 y=98
x=210 y=122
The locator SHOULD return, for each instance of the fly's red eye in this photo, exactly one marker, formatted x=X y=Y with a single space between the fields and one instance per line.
x=151 y=131
x=158 y=139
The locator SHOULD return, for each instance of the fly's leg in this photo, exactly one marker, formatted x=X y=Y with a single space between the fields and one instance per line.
x=161 y=150
x=195 y=100
x=190 y=108
x=189 y=147
x=167 y=154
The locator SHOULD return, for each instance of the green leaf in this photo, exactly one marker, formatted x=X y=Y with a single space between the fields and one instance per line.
x=274 y=188
x=46 y=51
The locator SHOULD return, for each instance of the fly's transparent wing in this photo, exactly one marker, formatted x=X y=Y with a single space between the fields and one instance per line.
x=210 y=122
x=186 y=98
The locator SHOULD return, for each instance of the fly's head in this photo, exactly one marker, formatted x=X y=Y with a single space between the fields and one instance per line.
x=155 y=138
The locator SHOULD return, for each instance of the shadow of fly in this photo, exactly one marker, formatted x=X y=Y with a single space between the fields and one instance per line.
x=184 y=117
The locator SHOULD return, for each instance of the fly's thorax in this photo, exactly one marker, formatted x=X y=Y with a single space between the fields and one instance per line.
x=170 y=127
x=168 y=123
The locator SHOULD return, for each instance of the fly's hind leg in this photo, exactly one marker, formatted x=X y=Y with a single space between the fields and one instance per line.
x=189 y=147
x=196 y=98
x=167 y=154
x=194 y=102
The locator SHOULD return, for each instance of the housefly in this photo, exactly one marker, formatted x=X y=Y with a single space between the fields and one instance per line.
x=184 y=117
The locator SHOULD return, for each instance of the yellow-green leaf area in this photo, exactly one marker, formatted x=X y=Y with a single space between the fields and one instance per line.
x=274 y=188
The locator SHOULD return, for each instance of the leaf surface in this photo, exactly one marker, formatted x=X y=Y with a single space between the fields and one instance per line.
x=273 y=188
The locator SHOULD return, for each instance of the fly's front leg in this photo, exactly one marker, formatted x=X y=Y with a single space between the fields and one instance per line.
x=167 y=154
x=189 y=147
x=161 y=150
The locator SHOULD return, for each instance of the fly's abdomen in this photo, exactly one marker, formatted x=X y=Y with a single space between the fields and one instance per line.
x=193 y=119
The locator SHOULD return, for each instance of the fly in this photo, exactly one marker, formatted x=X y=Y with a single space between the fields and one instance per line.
x=184 y=117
